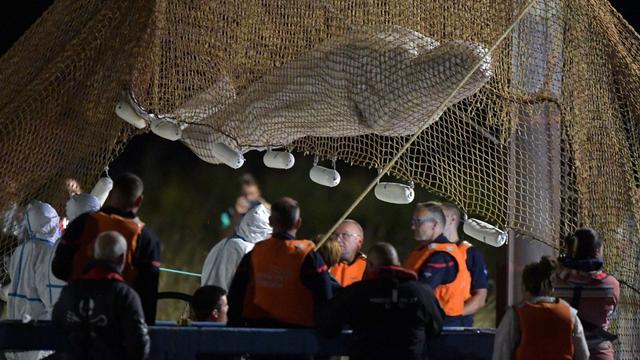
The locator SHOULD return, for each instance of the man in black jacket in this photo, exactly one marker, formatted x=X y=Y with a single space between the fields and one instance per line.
x=119 y=214
x=391 y=314
x=101 y=314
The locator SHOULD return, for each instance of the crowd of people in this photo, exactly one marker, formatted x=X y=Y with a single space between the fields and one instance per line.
x=97 y=279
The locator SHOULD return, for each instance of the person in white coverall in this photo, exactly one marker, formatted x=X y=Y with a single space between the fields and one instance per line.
x=33 y=289
x=225 y=256
x=79 y=204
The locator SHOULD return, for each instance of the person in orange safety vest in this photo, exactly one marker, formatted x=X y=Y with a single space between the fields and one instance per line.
x=352 y=262
x=474 y=261
x=439 y=263
x=119 y=213
x=542 y=326
x=282 y=282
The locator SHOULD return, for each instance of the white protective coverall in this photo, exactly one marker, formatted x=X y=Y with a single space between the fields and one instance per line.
x=33 y=289
x=225 y=256
x=81 y=203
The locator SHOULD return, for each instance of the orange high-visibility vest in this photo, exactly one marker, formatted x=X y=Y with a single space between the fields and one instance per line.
x=275 y=291
x=98 y=223
x=347 y=274
x=545 y=331
x=451 y=296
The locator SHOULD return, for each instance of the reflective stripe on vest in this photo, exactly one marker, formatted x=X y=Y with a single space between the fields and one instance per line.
x=451 y=296
x=275 y=291
x=546 y=331
x=347 y=274
x=587 y=291
x=98 y=223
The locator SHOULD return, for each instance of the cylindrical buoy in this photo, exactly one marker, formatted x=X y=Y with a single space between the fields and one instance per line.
x=230 y=157
x=166 y=129
x=278 y=159
x=324 y=176
x=125 y=111
x=485 y=232
x=394 y=193
x=102 y=188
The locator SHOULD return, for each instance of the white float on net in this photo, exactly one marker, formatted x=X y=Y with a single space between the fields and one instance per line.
x=394 y=193
x=485 y=232
x=324 y=176
x=228 y=156
x=125 y=109
x=278 y=159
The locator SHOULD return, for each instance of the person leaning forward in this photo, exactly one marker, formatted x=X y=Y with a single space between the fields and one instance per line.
x=142 y=260
x=282 y=282
x=439 y=263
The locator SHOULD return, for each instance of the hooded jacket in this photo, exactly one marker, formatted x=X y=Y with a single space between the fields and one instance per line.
x=81 y=203
x=33 y=289
x=223 y=259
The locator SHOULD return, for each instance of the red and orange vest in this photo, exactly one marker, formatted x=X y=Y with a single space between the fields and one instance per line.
x=546 y=331
x=275 y=291
x=347 y=274
x=98 y=223
x=451 y=296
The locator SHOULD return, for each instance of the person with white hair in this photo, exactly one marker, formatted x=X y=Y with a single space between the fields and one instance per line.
x=101 y=314
x=33 y=289
x=224 y=258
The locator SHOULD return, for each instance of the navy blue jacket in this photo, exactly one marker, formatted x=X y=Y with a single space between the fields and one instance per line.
x=102 y=316
x=479 y=276
x=391 y=315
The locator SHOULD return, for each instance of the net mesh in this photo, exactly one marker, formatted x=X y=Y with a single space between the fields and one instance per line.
x=541 y=138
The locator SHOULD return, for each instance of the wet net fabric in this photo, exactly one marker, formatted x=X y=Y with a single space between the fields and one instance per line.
x=541 y=138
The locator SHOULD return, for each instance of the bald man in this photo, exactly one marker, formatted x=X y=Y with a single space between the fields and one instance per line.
x=353 y=263
x=101 y=314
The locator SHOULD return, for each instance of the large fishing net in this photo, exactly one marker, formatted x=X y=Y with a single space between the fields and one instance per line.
x=526 y=112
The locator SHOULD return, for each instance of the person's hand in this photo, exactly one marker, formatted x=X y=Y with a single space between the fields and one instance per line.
x=242 y=205
x=72 y=186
